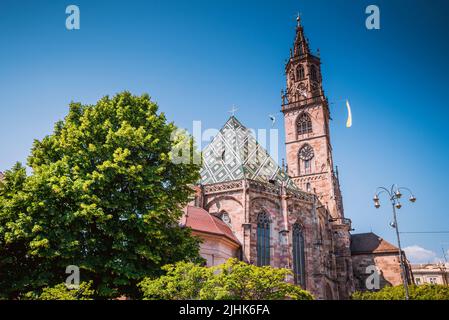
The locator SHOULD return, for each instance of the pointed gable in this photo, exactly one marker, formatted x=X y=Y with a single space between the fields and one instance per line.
x=363 y=243
x=235 y=154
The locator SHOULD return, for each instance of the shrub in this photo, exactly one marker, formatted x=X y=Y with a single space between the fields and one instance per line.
x=61 y=292
x=233 y=280
x=423 y=292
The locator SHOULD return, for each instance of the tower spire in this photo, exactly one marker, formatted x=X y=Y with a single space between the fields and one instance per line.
x=303 y=71
x=301 y=46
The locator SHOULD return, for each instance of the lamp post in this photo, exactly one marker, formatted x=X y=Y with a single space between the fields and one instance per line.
x=394 y=194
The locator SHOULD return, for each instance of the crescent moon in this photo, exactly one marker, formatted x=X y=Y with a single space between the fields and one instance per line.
x=349 y=120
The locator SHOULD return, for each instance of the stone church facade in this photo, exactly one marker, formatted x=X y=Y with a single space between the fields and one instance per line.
x=288 y=217
x=248 y=207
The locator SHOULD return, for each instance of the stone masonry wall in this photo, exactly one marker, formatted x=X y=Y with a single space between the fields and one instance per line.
x=243 y=203
x=387 y=264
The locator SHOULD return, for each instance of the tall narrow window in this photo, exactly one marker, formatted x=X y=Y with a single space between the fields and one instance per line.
x=307 y=166
x=313 y=73
x=300 y=49
x=304 y=124
x=263 y=239
x=300 y=72
x=298 y=255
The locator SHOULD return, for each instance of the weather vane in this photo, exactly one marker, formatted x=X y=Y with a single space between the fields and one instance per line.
x=233 y=110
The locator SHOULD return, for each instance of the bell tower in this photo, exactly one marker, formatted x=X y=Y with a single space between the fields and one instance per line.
x=306 y=116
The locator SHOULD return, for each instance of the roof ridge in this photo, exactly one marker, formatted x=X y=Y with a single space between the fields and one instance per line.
x=215 y=219
x=211 y=217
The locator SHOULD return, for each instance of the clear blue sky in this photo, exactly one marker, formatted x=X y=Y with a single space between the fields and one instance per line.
x=197 y=58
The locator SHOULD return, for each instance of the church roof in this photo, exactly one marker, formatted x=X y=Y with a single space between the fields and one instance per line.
x=235 y=154
x=363 y=243
x=202 y=221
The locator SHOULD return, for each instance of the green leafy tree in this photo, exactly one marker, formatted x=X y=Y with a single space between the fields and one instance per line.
x=233 y=280
x=104 y=195
x=15 y=264
x=422 y=292
x=61 y=292
x=182 y=281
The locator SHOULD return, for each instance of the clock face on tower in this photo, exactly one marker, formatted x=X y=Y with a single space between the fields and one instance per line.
x=306 y=153
x=301 y=90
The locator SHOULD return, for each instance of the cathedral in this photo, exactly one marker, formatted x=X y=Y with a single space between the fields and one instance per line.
x=247 y=206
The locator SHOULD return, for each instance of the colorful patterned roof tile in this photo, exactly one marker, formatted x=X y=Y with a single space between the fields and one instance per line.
x=235 y=154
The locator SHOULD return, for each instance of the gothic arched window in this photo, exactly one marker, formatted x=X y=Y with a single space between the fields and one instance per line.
x=263 y=239
x=313 y=73
x=304 y=124
x=298 y=255
x=300 y=72
x=306 y=155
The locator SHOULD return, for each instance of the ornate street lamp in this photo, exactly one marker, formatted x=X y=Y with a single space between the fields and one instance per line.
x=394 y=195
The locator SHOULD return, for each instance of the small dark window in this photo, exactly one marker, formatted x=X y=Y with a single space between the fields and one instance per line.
x=308 y=188
x=314 y=73
x=300 y=49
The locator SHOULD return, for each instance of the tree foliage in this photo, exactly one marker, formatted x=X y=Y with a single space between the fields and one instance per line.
x=61 y=292
x=104 y=194
x=422 y=292
x=233 y=280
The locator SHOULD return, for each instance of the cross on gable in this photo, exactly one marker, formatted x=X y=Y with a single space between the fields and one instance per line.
x=233 y=110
